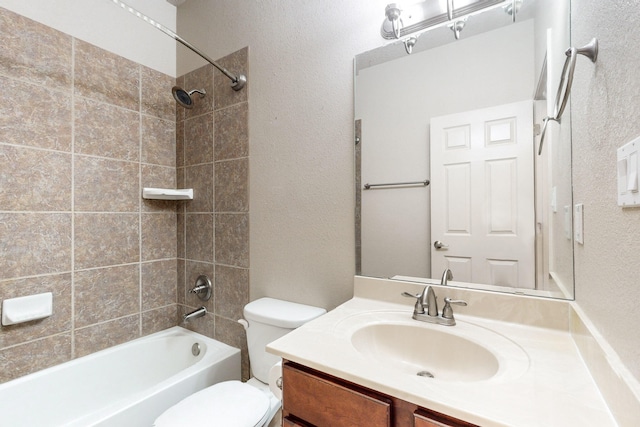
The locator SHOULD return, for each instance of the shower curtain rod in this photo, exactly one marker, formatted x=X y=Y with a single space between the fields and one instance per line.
x=237 y=82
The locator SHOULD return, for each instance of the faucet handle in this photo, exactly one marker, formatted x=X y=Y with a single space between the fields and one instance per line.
x=408 y=295
x=419 y=308
x=447 y=311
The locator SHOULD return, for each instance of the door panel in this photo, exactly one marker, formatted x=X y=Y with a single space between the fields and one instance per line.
x=458 y=198
x=502 y=196
x=462 y=267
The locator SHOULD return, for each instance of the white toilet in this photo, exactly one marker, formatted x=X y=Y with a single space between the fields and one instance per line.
x=250 y=404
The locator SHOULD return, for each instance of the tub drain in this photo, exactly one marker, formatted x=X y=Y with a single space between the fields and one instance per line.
x=195 y=349
x=425 y=374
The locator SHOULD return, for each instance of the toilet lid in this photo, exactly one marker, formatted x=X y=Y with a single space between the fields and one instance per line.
x=230 y=403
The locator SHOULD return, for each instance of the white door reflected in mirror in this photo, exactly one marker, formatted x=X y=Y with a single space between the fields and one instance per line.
x=482 y=195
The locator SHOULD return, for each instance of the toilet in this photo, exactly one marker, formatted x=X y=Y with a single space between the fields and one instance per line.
x=250 y=404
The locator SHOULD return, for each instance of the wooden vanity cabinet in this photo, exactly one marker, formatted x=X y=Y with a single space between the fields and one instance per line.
x=426 y=418
x=313 y=398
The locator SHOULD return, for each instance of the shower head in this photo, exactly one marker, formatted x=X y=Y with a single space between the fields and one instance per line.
x=184 y=98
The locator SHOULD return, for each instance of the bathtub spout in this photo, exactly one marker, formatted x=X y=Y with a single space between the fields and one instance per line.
x=194 y=314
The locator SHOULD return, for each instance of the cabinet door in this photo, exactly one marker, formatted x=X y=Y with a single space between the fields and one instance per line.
x=422 y=418
x=321 y=401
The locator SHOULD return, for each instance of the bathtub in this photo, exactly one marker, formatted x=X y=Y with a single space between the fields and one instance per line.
x=128 y=385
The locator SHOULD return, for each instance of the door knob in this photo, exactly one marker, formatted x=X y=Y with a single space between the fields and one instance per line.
x=439 y=245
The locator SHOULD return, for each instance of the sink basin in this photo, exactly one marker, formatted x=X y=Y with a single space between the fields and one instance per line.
x=461 y=353
x=426 y=352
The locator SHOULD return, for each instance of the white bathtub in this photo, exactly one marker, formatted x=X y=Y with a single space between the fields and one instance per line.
x=128 y=385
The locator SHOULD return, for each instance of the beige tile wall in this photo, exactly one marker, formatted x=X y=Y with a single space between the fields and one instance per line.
x=213 y=229
x=81 y=131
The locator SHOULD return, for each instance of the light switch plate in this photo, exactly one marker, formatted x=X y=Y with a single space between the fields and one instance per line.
x=628 y=174
x=578 y=224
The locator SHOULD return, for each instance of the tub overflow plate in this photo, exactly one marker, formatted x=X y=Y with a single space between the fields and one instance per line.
x=195 y=349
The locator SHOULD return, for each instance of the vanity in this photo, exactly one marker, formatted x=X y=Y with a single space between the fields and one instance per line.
x=509 y=361
x=315 y=398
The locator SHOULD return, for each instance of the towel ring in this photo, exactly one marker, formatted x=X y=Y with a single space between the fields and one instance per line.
x=590 y=50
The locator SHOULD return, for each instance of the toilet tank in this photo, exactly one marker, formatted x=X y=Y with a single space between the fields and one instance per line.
x=270 y=319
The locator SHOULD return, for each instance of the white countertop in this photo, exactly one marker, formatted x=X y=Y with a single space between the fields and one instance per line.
x=554 y=388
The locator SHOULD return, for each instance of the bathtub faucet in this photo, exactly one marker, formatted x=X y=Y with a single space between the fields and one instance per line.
x=199 y=312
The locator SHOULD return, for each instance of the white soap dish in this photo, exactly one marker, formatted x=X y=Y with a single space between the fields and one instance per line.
x=26 y=309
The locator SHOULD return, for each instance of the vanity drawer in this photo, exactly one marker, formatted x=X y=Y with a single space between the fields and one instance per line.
x=286 y=422
x=324 y=402
x=422 y=418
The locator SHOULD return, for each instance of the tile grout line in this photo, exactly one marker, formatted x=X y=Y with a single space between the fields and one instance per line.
x=140 y=200
x=73 y=224
x=214 y=204
x=180 y=226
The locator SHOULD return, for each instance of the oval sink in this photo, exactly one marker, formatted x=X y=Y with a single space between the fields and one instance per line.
x=426 y=352
x=463 y=353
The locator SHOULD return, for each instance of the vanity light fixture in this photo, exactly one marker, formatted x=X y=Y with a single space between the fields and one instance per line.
x=408 y=22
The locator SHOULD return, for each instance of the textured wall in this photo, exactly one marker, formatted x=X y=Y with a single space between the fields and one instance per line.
x=81 y=131
x=605 y=110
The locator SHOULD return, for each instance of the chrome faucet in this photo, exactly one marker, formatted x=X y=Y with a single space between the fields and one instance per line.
x=447 y=275
x=427 y=299
x=199 y=312
x=432 y=302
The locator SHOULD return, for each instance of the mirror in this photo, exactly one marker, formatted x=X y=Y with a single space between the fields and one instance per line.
x=447 y=167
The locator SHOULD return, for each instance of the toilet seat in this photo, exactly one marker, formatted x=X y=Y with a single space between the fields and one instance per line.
x=229 y=403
